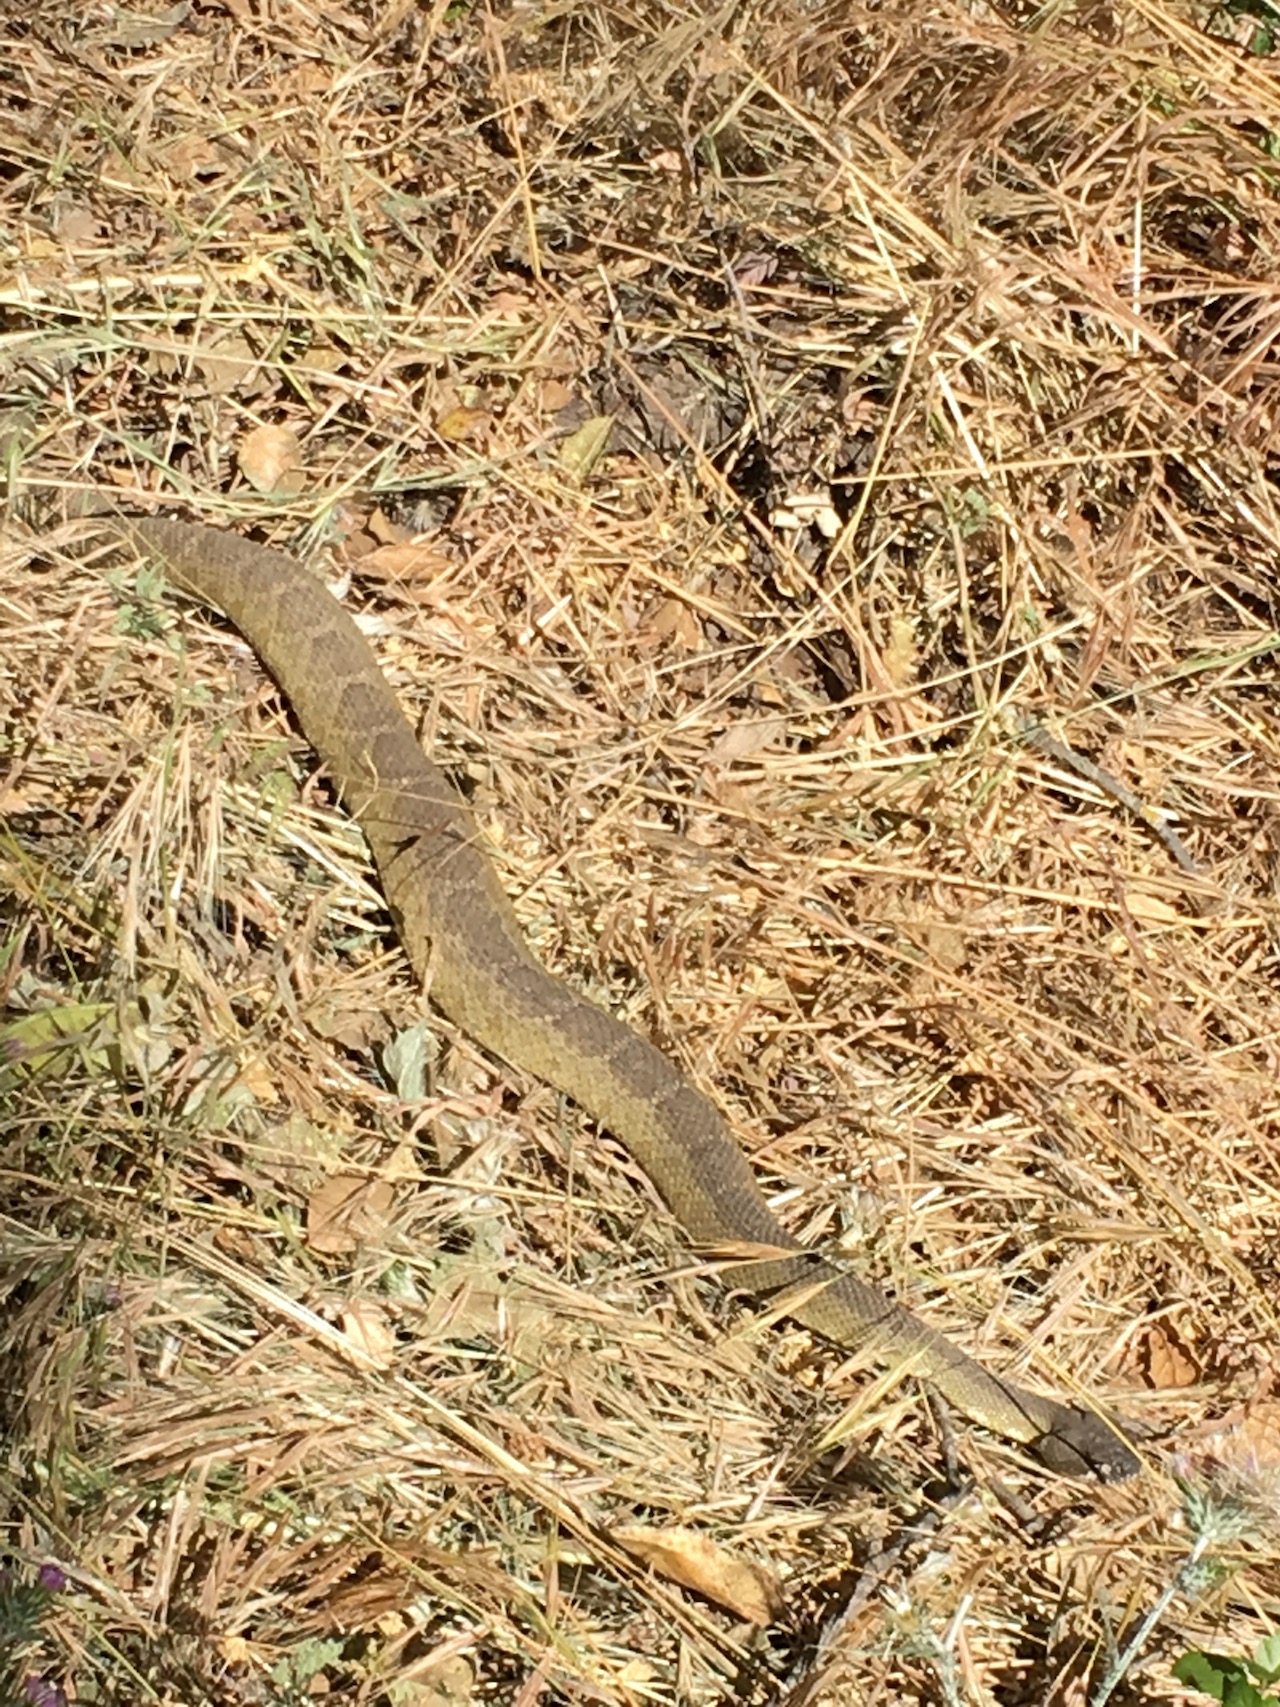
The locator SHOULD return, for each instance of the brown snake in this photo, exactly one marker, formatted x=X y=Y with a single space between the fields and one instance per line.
x=461 y=934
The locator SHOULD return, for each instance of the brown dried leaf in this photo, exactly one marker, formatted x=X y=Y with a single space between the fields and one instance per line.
x=225 y=362
x=356 y=1026
x=674 y=620
x=901 y=655
x=1165 y=1359
x=1152 y=909
x=347 y=1211
x=1260 y=1433
x=449 y=1683
x=258 y=1078
x=741 y=740
x=78 y=224
x=135 y=29
x=555 y=395
x=947 y=944
x=1247 y=1447
x=460 y=424
x=407 y=562
x=695 y=1561
x=270 y=459
x=372 y=1337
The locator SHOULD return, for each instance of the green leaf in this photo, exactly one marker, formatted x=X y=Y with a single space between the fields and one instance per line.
x=299 y=1668
x=1225 y=1679
x=1266 y=1662
x=1241 y=1693
x=52 y=1039
x=1210 y=1672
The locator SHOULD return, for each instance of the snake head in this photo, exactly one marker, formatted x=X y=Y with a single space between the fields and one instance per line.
x=1080 y=1443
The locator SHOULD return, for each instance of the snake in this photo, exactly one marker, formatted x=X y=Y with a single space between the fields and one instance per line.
x=464 y=943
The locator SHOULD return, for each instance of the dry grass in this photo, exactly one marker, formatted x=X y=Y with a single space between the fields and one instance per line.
x=996 y=287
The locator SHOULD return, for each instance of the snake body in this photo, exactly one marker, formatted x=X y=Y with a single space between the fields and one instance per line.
x=462 y=938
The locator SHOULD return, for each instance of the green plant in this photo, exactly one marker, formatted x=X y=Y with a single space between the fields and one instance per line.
x=1234 y=1682
x=23 y=1604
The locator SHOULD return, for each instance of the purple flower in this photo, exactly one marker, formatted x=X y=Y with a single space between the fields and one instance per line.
x=41 y=1693
x=51 y=1579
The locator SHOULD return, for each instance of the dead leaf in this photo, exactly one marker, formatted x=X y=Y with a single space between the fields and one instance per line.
x=298 y=1145
x=555 y=396
x=236 y=1243
x=1246 y=1445
x=1261 y=1432
x=366 y=1327
x=448 y=1683
x=193 y=156
x=947 y=944
x=402 y=1163
x=461 y=425
x=727 y=793
x=1165 y=1359
x=379 y=526
x=225 y=363
x=635 y=1673
x=270 y=459
x=411 y=563
x=901 y=657
x=510 y=304
x=335 y=1016
x=134 y=29
x=347 y=1211
x=695 y=1561
x=741 y=740
x=258 y=1077
x=77 y=224
x=1151 y=909
x=674 y=620
x=804 y=510
x=756 y=267
x=581 y=451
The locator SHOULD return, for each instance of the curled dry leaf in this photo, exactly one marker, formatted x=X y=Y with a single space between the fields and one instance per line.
x=226 y=361
x=901 y=655
x=270 y=459
x=555 y=395
x=412 y=563
x=1165 y=1359
x=947 y=944
x=1261 y=1432
x=695 y=1561
x=1243 y=1451
x=674 y=620
x=346 y=1212
x=450 y=1682
x=1152 y=909
x=748 y=736
x=462 y=425
x=365 y=1325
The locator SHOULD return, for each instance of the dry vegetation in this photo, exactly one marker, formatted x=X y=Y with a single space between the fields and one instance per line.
x=339 y=1359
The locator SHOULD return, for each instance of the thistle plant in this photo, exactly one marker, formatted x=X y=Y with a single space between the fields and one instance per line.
x=24 y=1602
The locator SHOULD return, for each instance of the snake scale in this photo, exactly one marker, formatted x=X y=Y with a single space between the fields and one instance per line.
x=462 y=938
